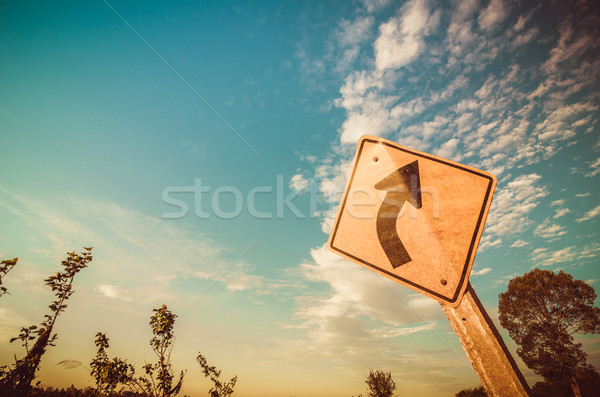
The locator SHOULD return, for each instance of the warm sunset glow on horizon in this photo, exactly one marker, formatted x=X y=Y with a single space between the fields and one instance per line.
x=202 y=149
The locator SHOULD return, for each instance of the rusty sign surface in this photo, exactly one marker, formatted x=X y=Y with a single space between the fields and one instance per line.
x=413 y=217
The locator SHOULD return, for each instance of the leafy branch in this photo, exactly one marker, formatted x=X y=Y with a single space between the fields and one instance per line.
x=159 y=376
x=5 y=267
x=220 y=389
x=24 y=370
x=107 y=373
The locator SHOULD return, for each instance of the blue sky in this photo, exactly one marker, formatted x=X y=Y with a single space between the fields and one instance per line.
x=105 y=106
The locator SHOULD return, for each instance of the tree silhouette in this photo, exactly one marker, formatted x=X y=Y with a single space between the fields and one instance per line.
x=107 y=373
x=220 y=389
x=159 y=380
x=589 y=384
x=5 y=267
x=473 y=392
x=542 y=311
x=20 y=376
x=380 y=384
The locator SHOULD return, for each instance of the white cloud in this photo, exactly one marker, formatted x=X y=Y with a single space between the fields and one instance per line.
x=355 y=291
x=464 y=10
x=512 y=203
x=374 y=5
x=464 y=45
x=549 y=231
x=136 y=256
x=352 y=33
x=328 y=217
x=349 y=37
x=481 y=272
x=594 y=212
x=359 y=317
x=543 y=257
x=488 y=89
x=519 y=243
x=459 y=33
x=558 y=202
x=588 y=251
x=493 y=15
x=110 y=291
x=333 y=180
x=500 y=124
x=357 y=125
x=10 y=320
x=456 y=85
x=569 y=48
x=521 y=22
x=367 y=106
x=561 y=212
x=448 y=149
x=573 y=255
x=393 y=332
x=595 y=168
x=298 y=183
x=489 y=241
x=400 y=39
x=558 y=124
x=525 y=38
x=116 y=292
x=583 y=195
x=240 y=281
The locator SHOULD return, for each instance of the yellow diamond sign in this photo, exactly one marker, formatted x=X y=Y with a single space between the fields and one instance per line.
x=413 y=217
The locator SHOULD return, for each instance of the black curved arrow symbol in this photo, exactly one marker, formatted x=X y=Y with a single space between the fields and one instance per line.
x=402 y=185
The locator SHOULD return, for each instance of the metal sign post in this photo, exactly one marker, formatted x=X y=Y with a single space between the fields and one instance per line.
x=417 y=219
x=485 y=348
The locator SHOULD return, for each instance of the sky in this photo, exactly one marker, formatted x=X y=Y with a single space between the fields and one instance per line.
x=202 y=149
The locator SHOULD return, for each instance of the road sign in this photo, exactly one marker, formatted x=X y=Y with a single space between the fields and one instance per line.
x=413 y=217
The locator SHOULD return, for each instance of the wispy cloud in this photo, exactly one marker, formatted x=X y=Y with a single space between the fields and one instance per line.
x=400 y=39
x=525 y=37
x=349 y=39
x=374 y=5
x=116 y=292
x=358 y=314
x=594 y=212
x=359 y=291
x=298 y=182
x=518 y=117
x=549 y=231
x=519 y=243
x=353 y=293
x=512 y=203
x=561 y=212
x=594 y=169
x=9 y=321
x=546 y=257
x=493 y=15
x=489 y=241
x=463 y=109
x=481 y=272
x=571 y=46
x=137 y=257
x=571 y=255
